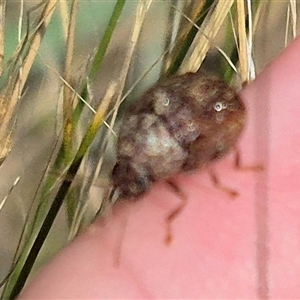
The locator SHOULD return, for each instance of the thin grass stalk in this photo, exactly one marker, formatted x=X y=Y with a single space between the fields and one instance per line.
x=69 y=95
x=30 y=58
x=242 y=41
x=16 y=84
x=51 y=179
x=21 y=17
x=221 y=51
x=64 y=16
x=254 y=10
x=171 y=33
x=13 y=91
x=2 y=203
x=291 y=21
x=202 y=41
x=106 y=39
x=61 y=194
x=185 y=36
x=2 y=31
x=141 y=12
x=250 y=61
x=97 y=61
x=293 y=9
x=12 y=287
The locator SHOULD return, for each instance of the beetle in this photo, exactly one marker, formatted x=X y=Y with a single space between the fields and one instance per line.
x=178 y=125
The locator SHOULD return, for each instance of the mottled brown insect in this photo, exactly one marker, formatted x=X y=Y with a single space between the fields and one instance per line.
x=178 y=125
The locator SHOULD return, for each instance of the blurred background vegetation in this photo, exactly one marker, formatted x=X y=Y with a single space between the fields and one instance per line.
x=59 y=54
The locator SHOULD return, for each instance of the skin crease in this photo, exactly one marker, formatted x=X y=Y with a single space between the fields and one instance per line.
x=223 y=248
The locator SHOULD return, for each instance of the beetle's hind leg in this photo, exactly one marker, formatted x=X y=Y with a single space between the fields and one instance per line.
x=172 y=216
x=240 y=167
x=218 y=184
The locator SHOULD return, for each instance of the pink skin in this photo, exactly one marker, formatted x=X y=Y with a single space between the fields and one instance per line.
x=223 y=248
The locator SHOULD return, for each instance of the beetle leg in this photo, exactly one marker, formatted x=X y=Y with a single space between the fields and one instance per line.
x=217 y=183
x=175 y=212
x=239 y=166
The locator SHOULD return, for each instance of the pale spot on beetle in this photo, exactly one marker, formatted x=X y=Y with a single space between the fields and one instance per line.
x=200 y=99
x=127 y=148
x=133 y=188
x=219 y=118
x=161 y=102
x=166 y=102
x=191 y=126
x=228 y=95
x=178 y=136
x=212 y=92
x=218 y=106
x=177 y=84
x=221 y=147
x=147 y=121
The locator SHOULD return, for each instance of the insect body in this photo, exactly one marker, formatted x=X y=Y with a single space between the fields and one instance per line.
x=178 y=125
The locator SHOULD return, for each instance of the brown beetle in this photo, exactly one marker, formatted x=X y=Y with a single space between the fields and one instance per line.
x=178 y=125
